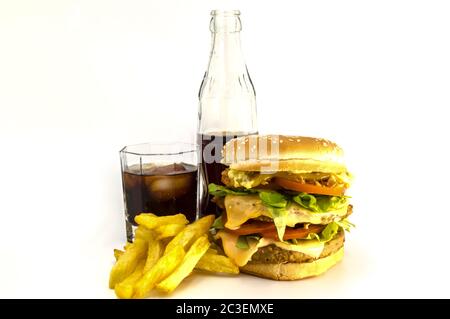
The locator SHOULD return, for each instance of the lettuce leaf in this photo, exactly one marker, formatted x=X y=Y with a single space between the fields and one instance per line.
x=320 y=203
x=218 y=223
x=345 y=224
x=243 y=241
x=329 y=232
x=313 y=236
x=332 y=229
x=221 y=191
x=273 y=199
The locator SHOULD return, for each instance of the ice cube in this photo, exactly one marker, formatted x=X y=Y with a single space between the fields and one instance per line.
x=168 y=187
x=166 y=169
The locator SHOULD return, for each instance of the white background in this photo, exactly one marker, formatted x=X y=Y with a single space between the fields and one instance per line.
x=81 y=79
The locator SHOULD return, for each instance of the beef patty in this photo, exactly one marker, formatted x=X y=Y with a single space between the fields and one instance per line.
x=274 y=255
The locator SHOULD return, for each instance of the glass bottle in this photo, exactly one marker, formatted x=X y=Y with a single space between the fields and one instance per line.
x=227 y=101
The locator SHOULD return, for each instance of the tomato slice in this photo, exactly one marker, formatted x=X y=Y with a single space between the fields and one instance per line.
x=255 y=227
x=269 y=230
x=308 y=188
x=295 y=233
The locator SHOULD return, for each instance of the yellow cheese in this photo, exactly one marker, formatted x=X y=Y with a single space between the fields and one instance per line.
x=241 y=257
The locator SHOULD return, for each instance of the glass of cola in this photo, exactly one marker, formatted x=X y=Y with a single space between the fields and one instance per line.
x=159 y=179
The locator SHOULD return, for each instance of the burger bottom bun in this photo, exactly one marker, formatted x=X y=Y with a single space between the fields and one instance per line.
x=294 y=271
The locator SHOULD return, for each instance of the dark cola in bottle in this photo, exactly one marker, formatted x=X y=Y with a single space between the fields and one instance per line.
x=227 y=102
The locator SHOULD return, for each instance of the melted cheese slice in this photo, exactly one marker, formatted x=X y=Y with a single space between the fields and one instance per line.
x=240 y=208
x=241 y=257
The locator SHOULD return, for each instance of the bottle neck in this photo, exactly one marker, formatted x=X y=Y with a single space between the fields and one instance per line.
x=227 y=96
x=226 y=49
x=226 y=52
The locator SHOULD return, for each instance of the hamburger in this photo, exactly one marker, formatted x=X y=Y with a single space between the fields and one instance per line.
x=283 y=203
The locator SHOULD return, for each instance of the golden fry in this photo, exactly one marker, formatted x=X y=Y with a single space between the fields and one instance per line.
x=155 y=251
x=217 y=263
x=190 y=233
x=117 y=253
x=163 y=268
x=127 y=262
x=197 y=250
x=144 y=233
x=125 y=289
x=150 y=221
x=169 y=230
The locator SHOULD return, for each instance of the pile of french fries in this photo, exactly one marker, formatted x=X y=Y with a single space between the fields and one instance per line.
x=165 y=251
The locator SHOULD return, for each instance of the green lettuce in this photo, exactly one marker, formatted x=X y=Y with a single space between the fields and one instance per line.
x=331 y=230
x=345 y=224
x=218 y=223
x=273 y=199
x=243 y=241
x=320 y=203
x=311 y=202
x=221 y=191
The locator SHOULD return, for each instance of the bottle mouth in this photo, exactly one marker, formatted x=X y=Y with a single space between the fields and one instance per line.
x=225 y=21
x=225 y=13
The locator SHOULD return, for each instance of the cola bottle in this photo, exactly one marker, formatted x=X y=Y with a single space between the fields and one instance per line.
x=227 y=102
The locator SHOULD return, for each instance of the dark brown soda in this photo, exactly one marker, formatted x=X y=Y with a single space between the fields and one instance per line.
x=212 y=172
x=161 y=190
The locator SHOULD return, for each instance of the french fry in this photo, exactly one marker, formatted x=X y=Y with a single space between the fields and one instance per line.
x=144 y=233
x=190 y=233
x=127 y=262
x=197 y=250
x=155 y=250
x=117 y=253
x=169 y=230
x=125 y=289
x=151 y=221
x=217 y=263
x=163 y=268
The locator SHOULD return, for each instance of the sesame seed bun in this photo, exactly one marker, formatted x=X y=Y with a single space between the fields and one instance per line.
x=271 y=153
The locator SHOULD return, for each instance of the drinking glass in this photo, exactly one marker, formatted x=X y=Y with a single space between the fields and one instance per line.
x=159 y=179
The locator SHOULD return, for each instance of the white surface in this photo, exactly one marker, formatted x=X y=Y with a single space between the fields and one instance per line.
x=80 y=79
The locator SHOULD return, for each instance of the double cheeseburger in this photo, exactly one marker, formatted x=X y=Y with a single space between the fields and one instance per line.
x=284 y=205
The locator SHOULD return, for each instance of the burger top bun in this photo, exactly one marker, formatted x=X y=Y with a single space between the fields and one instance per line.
x=272 y=153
